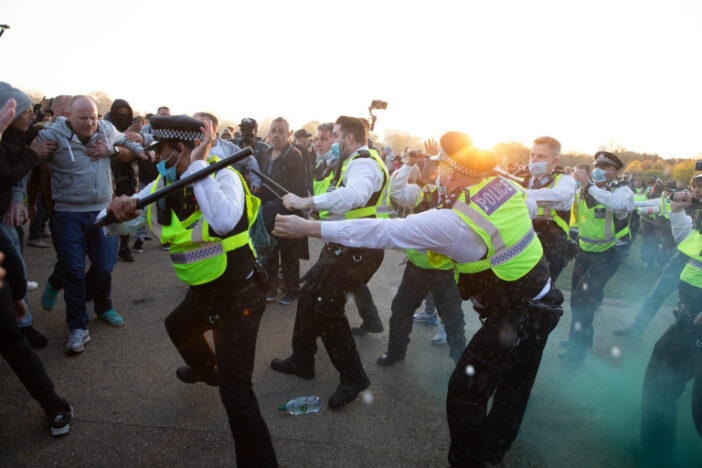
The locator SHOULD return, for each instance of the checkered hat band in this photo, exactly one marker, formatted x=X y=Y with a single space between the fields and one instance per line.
x=605 y=160
x=445 y=158
x=173 y=134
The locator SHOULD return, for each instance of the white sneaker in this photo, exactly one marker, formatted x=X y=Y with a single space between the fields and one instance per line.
x=440 y=337
x=32 y=285
x=77 y=340
x=423 y=316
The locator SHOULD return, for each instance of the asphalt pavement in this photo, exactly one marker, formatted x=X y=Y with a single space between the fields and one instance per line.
x=130 y=410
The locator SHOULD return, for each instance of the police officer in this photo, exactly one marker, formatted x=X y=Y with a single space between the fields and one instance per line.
x=553 y=193
x=602 y=213
x=420 y=276
x=483 y=226
x=677 y=355
x=325 y=163
x=207 y=227
x=358 y=188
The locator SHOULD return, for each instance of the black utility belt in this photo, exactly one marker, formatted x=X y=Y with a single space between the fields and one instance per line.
x=227 y=288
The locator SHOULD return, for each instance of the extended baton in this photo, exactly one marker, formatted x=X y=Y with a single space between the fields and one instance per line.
x=270 y=182
x=179 y=184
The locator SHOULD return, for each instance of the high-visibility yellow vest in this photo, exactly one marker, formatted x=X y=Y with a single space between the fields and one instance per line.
x=379 y=208
x=198 y=257
x=692 y=247
x=596 y=227
x=549 y=214
x=497 y=211
x=665 y=207
x=420 y=259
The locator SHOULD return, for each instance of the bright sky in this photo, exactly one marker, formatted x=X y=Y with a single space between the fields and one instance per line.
x=586 y=73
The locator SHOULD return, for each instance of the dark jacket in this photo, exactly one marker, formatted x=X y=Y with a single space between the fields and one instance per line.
x=16 y=160
x=123 y=172
x=288 y=170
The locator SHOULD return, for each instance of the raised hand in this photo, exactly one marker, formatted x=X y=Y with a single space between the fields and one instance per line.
x=202 y=148
x=431 y=147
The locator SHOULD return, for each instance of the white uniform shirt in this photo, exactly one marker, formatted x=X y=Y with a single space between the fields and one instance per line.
x=620 y=200
x=560 y=197
x=220 y=198
x=681 y=225
x=402 y=193
x=362 y=179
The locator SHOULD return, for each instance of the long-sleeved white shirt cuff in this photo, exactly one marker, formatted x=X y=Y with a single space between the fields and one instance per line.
x=681 y=225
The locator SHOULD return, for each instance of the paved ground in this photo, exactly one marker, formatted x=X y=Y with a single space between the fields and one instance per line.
x=130 y=410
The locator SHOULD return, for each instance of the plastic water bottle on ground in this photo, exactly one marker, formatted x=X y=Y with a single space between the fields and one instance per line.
x=302 y=405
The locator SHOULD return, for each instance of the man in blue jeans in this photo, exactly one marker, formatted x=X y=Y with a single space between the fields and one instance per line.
x=81 y=186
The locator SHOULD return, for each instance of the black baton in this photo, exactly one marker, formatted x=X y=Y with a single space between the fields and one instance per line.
x=179 y=184
x=270 y=182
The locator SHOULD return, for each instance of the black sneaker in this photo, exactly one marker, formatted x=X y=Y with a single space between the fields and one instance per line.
x=165 y=247
x=59 y=420
x=125 y=253
x=364 y=329
x=288 y=299
x=388 y=359
x=346 y=393
x=190 y=375
x=36 y=339
x=138 y=246
x=286 y=366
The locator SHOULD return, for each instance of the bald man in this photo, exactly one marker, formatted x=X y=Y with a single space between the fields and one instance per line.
x=81 y=185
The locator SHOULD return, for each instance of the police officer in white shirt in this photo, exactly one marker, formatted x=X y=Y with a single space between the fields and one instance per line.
x=483 y=225
x=358 y=188
x=553 y=193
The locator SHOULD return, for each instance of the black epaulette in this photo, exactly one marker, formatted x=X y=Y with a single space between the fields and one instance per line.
x=363 y=154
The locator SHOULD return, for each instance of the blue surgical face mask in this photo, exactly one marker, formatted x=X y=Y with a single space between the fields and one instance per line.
x=578 y=184
x=168 y=173
x=538 y=169
x=335 y=150
x=599 y=175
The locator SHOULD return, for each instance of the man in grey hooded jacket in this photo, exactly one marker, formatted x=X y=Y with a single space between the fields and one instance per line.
x=81 y=185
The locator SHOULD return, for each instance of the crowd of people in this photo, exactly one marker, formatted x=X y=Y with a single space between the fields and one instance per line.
x=498 y=237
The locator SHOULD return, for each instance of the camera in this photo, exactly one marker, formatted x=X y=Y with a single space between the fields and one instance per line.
x=382 y=105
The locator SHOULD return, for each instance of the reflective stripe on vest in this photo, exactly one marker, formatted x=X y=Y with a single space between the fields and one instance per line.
x=197 y=257
x=497 y=210
x=382 y=207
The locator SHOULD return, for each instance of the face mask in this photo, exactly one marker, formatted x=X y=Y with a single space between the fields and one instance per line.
x=168 y=173
x=578 y=184
x=599 y=175
x=538 y=169
x=335 y=150
x=441 y=189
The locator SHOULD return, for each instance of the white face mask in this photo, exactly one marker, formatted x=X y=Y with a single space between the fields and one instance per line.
x=538 y=169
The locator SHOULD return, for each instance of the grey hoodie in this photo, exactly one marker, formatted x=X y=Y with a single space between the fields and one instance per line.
x=78 y=183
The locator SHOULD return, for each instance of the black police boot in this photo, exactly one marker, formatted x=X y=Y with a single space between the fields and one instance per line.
x=287 y=366
x=366 y=328
x=347 y=392
x=190 y=375
x=388 y=359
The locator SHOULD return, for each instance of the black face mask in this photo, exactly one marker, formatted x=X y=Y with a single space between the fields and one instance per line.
x=121 y=121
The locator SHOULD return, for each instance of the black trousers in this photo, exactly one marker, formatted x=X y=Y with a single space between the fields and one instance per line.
x=591 y=272
x=320 y=310
x=415 y=285
x=555 y=243
x=366 y=307
x=236 y=316
x=676 y=359
x=21 y=357
x=502 y=358
x=285 y=257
